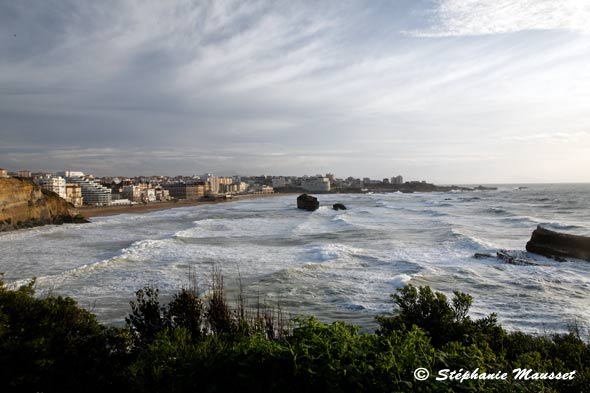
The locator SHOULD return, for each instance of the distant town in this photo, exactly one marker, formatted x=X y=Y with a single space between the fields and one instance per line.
x=87 y=190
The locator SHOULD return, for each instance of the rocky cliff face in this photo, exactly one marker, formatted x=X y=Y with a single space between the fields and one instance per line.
x=24 y=204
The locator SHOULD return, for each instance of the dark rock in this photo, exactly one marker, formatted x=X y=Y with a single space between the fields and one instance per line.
x=479 y=255
x=59 y=220
x=558 y=245
x=307 y=202
x=80 y=219
x=338 y=206
x=482 y=188
x=514 y=258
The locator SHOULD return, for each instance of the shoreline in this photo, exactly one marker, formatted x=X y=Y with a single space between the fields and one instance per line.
x=104 y=211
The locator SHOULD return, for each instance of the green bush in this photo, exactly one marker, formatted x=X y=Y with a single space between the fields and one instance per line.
x=197 y=343
x=51 y=344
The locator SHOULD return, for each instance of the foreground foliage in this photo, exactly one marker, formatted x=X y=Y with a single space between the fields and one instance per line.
x=196 y=343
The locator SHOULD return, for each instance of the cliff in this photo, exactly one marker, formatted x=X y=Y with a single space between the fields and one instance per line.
x=23 y=204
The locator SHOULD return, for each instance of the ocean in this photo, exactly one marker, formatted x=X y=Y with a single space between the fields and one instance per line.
x=336 y=265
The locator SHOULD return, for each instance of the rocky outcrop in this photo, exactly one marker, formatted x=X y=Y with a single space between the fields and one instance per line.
x=307 y=202
x=512 y=257
x=557 y=245
x=515 y=258
x=482 y=188
x=23 y=204
x=338 y=206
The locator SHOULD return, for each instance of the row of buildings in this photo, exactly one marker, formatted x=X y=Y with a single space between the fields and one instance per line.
x=81 y=189
x=329 y=183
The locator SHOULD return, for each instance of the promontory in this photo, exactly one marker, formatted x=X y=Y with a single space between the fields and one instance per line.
x=23 y=204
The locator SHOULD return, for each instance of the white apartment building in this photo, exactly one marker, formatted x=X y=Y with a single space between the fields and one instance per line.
x=67 y=174
x=316 y=184
x=92 y=192
x=55 y=184
x=236 y=188
x=148 y=195
x=215 y=185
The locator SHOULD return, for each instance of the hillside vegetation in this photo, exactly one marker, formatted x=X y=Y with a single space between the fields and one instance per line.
x=200 y=343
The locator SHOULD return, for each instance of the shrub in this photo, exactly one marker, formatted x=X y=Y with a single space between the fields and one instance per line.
x=203 y=344
x=50 y=344
x=444 y=321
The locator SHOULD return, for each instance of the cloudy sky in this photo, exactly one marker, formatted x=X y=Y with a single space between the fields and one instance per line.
x=451 y=91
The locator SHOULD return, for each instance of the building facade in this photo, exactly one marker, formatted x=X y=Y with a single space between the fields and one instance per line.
x=74 y=194
x=56 y=184
x=279 y=182
x=316 y=184
x=92 y=192
x=133 y=193
x=397 y=179
x=185 y=191
x=262 y=189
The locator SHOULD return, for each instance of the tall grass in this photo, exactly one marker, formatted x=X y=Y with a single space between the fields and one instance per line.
x=205 y=313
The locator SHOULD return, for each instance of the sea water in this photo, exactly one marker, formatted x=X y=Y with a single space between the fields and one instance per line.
x=336 y=265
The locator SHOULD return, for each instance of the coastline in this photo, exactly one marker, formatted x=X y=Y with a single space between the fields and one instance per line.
x=103 y=211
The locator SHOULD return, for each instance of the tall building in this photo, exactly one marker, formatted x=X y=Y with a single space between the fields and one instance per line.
x=3 y=173
x=397 y=179
x=56 y=184
x=211 y=184
x=92 y=192
x=225 y=184
x=133 y=193
x=316 y=184
x=74 y=194
x=24 y=173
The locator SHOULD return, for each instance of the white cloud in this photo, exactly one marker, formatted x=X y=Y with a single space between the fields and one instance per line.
x=295 y=88
x=480 y=17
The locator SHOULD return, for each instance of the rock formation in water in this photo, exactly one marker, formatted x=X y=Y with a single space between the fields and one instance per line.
x=23 y=204
x=338 y=206
x=556 y=245
x=307 y=202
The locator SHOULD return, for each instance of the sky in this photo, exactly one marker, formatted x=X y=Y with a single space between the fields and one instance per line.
x=449 y=91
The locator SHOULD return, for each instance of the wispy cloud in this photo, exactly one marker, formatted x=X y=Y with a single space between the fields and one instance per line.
x=480 y=17
x=291 y=87
x=556 y=137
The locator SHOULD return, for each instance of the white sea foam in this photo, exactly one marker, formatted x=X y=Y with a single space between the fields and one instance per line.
x=400 y=280
x=331 y=263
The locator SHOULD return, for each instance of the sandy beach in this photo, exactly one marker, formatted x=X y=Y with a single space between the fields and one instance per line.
x=89 y=212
